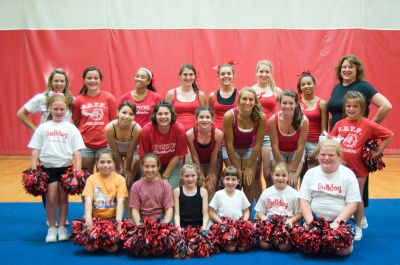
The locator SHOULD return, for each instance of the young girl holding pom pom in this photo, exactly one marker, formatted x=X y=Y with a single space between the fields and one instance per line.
x=191 y=200
x=151 y=196
x=355 y=131
x=229 y=202
x=55 y=144
x=105 y=193
x=279 y=199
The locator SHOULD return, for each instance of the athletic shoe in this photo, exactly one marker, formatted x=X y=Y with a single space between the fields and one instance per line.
x=364 y=223
x=358 y=235
x=51 y=234
x=63 y=234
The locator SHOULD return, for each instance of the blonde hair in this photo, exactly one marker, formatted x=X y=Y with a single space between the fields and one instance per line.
x=358 y=97
x=52 y=99
x=328 y=143
x=281 y=165
x=196 y=169
x=271 y=81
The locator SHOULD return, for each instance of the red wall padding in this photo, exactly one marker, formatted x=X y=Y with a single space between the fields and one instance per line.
x=27 y=56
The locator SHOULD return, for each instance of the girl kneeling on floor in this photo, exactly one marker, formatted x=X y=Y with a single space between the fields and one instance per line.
x=105 y=192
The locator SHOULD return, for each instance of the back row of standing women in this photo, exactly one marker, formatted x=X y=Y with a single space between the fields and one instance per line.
x=249 y=120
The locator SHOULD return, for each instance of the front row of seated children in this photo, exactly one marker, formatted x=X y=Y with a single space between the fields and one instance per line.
x=153 y=197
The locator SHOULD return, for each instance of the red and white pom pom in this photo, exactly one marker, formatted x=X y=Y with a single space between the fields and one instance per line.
x=200 y=243
x=79 y=234
x=372 y=163
x=247 y=234
x=35 y=181
x=74 y=180
x=225 y=233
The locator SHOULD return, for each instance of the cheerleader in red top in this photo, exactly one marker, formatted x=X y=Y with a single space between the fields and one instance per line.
x=316 y=111
x=224 y=99
x=165 y=138
x=144 y=96
x=204 y=142
x=288 y=129
x=187 y=97
x=355 y=131
x=93 y=109
x=244 y=129
x=268 y=94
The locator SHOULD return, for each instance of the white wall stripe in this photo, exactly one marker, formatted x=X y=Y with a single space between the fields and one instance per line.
x=208 y=14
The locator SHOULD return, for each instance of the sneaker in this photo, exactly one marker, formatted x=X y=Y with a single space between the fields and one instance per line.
x=63 y=234
x=358 y=235
x=364 y=223
x=51 y=234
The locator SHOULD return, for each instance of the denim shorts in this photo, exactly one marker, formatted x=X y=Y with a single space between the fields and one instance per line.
x=267 y=141
x=243 y=153
x=175 y=175
x=287 y=156
x=224 y=152
x=91 y=153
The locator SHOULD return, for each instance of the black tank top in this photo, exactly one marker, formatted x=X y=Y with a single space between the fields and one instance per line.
x=190 y=209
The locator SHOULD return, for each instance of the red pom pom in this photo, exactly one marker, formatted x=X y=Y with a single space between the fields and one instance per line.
x=153 y=238
x=74 y=180
x=225 y=233
x=79 y=233
x=200 y=243
x=247 y=234
x=35 y=181
x=372 y=163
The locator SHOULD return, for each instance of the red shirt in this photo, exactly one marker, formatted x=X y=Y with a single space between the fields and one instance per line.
x=355 y=134
x=220 y=109
x=92 y=114
x=269 y=106
x=314 y=118
x=143 y=107
x=186 y=111
x=165 y=146
x=287 y=143
x=204 y=151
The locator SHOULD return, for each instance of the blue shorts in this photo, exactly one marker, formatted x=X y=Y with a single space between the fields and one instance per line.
x=91 y=153
x=267 y=141
x=287 y=156
x=243 y=153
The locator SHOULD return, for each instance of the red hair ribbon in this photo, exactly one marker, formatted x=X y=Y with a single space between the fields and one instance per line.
x=305 y=73
x=231 y=62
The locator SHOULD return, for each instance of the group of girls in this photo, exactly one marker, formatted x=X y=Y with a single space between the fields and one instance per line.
x=244 y=129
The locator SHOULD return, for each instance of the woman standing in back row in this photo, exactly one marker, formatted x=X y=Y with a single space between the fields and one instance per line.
x=268 y=94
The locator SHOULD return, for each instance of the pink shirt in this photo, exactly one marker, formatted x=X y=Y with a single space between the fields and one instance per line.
x=151 y=197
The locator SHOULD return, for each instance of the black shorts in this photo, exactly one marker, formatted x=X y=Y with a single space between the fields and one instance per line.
x=54 y=173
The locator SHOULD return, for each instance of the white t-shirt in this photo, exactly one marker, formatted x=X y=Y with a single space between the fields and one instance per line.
x=329 y=193
x=280 y=202
x=229 y=206
x=38 y=104
x=56 y=141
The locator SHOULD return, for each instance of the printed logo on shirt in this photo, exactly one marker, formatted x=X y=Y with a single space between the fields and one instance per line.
x=163 y=148
x=56 y=135
x=330 y=187
x=102 y=200
x=93 y=110
x=273 y=203
x=143 y=109
x=351 y=139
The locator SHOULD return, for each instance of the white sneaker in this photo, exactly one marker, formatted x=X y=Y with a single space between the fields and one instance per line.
x=51 y=234
x=63 y=234
x=358 y=235
x=364 y=223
